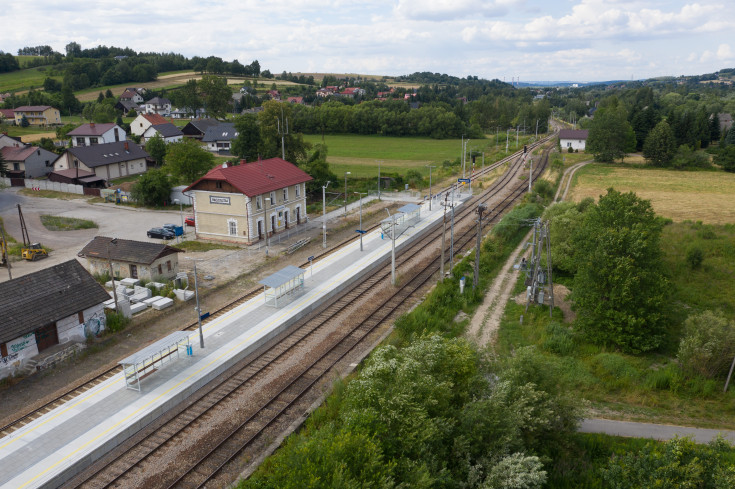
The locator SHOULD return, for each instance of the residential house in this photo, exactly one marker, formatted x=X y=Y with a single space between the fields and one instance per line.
x=91 y=134
x=219 y=138
x=295 y=100
x=274 y=94
x=181 y=114
x=725 y=121
x=37 y=115
x=28 y=161
x=141 y=123
x=242 y=203
x=158 y=105
x=56 y=305
x=111 y=160
x=169 y=132
x=134 y=259
x=573 y=138
x=6 y=141
x=352 y=92
x=75 y=176
x=131 y=95
x=326 y=92
x=7 y=115
x=127 y=105
x=196 y=128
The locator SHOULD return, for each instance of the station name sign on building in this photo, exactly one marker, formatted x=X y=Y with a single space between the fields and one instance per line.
x=213 y=199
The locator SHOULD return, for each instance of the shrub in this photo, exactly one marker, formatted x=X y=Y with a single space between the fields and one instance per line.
x=116 y=321
x=558 y=339
x=707 y=345
x=570 y=150
x=695 y=256
x=668 y=378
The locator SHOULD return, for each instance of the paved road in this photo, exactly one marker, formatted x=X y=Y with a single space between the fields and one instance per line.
x=650 y=430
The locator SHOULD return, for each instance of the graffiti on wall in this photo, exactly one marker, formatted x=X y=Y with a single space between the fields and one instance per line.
x=10 y=358
x=94 y=325
x=22 y=343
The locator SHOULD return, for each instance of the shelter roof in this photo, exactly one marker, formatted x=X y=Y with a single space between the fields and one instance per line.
x=39 y=298
x=408 y=208
x=154 y=348
x=282 y=276
x=127 y=250
x=258 y=177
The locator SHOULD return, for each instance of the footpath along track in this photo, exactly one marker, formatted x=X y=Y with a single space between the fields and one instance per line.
x=210 y=457
x=80 y=388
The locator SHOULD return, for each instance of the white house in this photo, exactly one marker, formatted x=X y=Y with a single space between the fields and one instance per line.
x=91 y=134
x=158 y=105
x=131 y=95
x=573 y=138
x=219 y=138
x=169 y=133
x=141 y=123
x=111 y=160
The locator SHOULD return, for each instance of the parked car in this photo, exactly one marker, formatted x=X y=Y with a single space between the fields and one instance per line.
x=161 y=233
x=170 y=227
x=189 y=221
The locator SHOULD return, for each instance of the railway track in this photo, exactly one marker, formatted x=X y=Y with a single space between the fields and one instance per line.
x=124 y=470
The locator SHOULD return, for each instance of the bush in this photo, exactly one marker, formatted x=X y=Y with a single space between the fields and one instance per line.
x=695 y=256
x=570 y=150
x=558 y=339
x=707 y=345
x=116 y=321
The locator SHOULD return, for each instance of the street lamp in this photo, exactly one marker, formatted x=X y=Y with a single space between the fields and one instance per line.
x=112 y=275
x=379 y=162
x=181 y=214
x=430 y=167
x=324 y=214
x=267 y=242
x=361 y=231
x=196 y=294
x=346 y=173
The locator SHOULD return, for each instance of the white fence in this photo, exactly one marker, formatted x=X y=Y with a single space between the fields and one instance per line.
x=49 y=185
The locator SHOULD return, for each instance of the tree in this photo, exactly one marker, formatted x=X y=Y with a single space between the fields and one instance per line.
x=216 y=95
x=3 y=168
x=318 y=168
x=270 y=140
x=707 y=345
x=156 y=147
x=660 y=145
x=187 y=161
x=152 y=188
x=725 y=157
x=611 y=135
x=24 y=121
x=246 y=144
x=51 y=85
x=714 y=127
x=619 y=287
x=73 y=49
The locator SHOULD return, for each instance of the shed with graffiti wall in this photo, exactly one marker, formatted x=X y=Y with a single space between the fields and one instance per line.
x=50 y=310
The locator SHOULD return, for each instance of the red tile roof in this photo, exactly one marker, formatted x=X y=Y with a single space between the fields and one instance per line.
x=129 y=94
x=7 y=113
x=155 y=118
x=91 y=129
x=258 y=177
x=11 y=153
x=295 y=100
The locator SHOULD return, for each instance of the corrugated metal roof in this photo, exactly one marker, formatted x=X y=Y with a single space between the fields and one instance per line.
x=282 y=276
x=127 y=250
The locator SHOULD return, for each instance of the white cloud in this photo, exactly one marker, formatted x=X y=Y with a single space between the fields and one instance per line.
x=444 y=10
x=724 y=52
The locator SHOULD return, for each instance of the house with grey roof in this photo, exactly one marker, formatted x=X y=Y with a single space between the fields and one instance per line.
x=111 y=160
x=196 y=128
x=158 y=105
x=219 y=138
x=130 y=258
x=59 y=305
x=573 y=138
x=91 y=134
x=28 y=161
x=169 y=132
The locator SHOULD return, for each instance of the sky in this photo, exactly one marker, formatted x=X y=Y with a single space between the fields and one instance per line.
x=526 y=40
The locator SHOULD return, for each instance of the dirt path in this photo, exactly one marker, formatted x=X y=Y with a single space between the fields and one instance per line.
x=486 y=321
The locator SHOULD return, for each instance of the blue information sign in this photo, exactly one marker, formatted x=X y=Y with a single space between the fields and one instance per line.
x=360 y=231
x=463 y=180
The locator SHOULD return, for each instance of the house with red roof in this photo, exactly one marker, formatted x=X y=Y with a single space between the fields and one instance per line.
x=243 y=203
x=141 y=123
x=352 y=92
x=8 y=115
x=91 y=134
x=295 y=100
x=28 y=161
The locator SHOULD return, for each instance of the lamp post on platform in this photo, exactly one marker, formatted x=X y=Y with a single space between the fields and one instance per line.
x=346 y=173
x=360 y=231
x=198 y=309
x=430 y=167
x=324 y=214
x=112 y=275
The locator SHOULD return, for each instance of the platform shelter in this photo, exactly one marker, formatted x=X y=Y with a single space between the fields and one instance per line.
x=146 y=361
x=405 y=217
x=285 y=282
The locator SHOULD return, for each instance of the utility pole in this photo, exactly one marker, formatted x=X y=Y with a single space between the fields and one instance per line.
x=506 y=140
x=536 y=130
x=462 y=158
x=283 y=131
x=530 y=173
x=516 y=137
x=324 y=215
x=198 y=309
x=360 y=231
x=430 y=197
x=444 y=235
x=5 y=256
x=379 y=162
x=451 y=242
x=346 y=173
x=480 y=209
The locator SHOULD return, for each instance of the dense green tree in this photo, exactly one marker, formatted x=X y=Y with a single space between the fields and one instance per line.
x=99 y=112
x=725 y=157
x=730 y=137
x=152 y=187
x=707 y=345
x=188 y=161
x=660 y=146
x=318 y=168
x=156 y=147
x=611 y=135
x=187 y=97
x=686 y=157
x=216 y=95
x=8 y=63
x=269 y=120
x=675 y=464
x=51 y=85
x=619 y=287
x=3 y=167
x=714 y=127
x=247 y=142
x=24 y=121
x=100 y=97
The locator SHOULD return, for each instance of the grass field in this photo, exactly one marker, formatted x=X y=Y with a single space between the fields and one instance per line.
x=58 y=223
x=360 y=154
x=24 y=79
x=697 y=196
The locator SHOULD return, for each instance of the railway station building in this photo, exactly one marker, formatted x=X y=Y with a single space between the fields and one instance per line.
x=243 y=203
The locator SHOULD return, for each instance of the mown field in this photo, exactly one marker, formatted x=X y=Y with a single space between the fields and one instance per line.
x=24 y=79
x=679 y=195
x=360 y=154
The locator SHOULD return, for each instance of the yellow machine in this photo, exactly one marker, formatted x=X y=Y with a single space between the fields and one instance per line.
x=30 y=251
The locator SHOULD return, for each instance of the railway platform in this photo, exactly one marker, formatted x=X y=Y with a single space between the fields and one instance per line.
x=55 y=447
